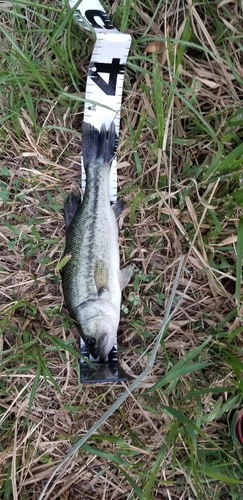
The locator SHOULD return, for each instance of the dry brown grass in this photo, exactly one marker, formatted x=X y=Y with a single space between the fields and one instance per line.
x=170 y=210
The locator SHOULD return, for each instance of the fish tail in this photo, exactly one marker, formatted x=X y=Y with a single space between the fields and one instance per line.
x=98 y=145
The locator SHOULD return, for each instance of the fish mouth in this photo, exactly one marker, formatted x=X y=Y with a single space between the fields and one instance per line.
x=95 y=347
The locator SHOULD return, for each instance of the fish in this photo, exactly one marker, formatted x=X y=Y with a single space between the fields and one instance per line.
x=92 y=280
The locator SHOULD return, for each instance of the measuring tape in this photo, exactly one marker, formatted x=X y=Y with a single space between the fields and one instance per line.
x=106 y=73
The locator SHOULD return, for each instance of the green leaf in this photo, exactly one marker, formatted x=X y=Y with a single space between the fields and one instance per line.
x=140 y=494
x=35 y=233
x=158 y=100
x=63 y=261
x=4 y=172
x=213 y=473
x=155 y=468
x=237 y=196
x=138 y=197
x=182 y=367
x=108 y=456
x=4 y=194
x=220 y=167
x=34 y=388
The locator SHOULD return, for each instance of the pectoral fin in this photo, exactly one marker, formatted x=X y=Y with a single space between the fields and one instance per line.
x=118 y=208
x=125 y=276
x=101 y=276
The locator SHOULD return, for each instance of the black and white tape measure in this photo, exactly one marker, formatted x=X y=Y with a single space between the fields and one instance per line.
x=106 y=72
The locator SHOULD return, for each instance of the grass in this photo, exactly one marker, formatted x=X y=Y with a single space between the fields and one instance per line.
x=180 y=174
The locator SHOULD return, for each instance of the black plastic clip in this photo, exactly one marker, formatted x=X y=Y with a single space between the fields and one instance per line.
x=108 y=371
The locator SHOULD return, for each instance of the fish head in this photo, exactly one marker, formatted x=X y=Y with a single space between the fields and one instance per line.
x=99 y=336
x=98 y=322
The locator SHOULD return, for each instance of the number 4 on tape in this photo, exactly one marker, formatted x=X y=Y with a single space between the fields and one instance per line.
x=106 y=72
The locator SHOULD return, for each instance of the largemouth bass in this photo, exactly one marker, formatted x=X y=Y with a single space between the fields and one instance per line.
x=92 y=279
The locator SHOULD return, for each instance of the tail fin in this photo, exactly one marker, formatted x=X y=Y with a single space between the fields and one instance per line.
x=98 y=144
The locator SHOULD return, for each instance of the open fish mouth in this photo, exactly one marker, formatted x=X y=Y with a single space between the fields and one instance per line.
x=97 y=348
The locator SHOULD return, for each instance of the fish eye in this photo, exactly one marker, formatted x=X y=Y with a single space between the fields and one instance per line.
x=90 y=341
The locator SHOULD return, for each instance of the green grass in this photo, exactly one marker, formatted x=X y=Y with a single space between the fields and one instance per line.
x=180 y=154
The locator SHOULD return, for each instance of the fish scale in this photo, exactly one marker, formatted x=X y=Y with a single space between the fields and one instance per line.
x=88 y=236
